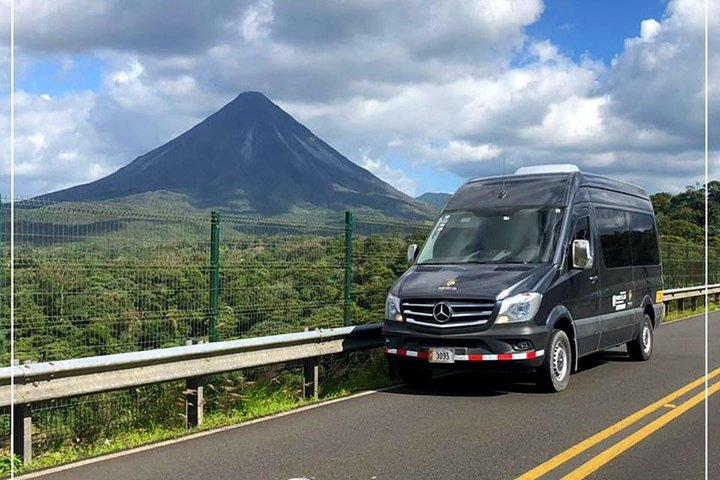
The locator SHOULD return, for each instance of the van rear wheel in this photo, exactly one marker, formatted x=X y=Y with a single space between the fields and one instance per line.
x=554 y=374
x=641 y=348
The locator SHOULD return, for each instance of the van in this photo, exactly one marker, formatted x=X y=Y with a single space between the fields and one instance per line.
x=528 y=273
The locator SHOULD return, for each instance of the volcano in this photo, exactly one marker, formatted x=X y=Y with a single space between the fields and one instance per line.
x=249 y=156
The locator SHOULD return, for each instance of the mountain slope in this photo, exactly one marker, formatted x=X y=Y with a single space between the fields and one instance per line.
x=249 y=156
x=435 y=200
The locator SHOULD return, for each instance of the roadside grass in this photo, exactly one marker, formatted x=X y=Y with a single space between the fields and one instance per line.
x=270 y=396
x=674 y=315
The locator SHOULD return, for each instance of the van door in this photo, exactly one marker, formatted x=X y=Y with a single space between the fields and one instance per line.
x=616 y=295
x=584 y=286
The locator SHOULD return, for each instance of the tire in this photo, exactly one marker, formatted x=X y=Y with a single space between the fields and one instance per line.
x=641 y=348
x=554 y=374
x=414 y=376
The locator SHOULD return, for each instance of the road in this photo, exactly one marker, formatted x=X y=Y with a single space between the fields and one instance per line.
x=474 y=426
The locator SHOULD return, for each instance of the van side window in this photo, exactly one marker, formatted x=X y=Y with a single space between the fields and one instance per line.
x=614 y=238
x=643 y=239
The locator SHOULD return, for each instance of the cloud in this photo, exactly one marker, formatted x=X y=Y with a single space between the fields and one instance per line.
x=457 y=86
x=151 y=27
x=394 y=177
x=54 y=142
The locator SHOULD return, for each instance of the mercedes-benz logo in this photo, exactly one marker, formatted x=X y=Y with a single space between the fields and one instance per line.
x=442 y=312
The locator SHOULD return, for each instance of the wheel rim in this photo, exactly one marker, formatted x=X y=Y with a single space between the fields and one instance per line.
x=559 y=361
x=646 y=338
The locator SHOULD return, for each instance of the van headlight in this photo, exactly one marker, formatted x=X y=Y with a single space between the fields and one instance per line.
x=392 y=308
x=519 y=308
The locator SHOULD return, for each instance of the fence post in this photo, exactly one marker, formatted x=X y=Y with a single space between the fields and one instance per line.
x=214 y=275
x=347 y=320
x=671 y=267
x=687 y=264
x=22 y=432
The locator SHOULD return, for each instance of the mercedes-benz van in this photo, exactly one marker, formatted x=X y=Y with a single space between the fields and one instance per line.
x=529 y=272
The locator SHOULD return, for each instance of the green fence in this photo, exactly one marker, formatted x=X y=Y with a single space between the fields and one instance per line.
x=684 y=264
x=96 y=279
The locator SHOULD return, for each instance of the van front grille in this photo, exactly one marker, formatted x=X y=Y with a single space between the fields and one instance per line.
x=462 y=313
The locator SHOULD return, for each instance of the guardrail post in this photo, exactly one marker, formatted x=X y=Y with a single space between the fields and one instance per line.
x=194 y=402
x=347 y=317
x=311 y=374
x=214 y=275
x=22 y=432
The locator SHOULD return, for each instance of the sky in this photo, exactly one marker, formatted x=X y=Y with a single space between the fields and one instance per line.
x=423 y=94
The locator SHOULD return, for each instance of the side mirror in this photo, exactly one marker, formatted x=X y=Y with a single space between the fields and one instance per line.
x=581 y=256
x=412 y=253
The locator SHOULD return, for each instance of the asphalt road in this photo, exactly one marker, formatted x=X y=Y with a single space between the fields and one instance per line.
x=473 y=426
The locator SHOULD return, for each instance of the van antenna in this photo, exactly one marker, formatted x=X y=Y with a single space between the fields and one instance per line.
x=503 y=193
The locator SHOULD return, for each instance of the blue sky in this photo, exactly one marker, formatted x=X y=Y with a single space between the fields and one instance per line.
x=61 y=74
x=425 y=98
x=594 y=26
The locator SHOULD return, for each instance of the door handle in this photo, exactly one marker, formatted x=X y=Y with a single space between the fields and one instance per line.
x=593 y=278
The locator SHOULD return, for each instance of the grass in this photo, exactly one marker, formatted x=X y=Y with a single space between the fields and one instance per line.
x=685 y=313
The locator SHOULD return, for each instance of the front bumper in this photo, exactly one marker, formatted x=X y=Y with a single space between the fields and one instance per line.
x=495 y=348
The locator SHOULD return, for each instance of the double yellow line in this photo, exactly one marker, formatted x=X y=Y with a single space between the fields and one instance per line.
x=604 y=457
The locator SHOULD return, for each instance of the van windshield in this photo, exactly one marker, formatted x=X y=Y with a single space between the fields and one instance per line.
x=521 y=235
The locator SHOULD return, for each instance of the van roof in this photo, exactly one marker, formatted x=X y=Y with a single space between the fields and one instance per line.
x=583 y=179
x=551 y=189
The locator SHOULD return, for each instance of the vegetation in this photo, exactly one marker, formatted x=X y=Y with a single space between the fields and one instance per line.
x=682 y=216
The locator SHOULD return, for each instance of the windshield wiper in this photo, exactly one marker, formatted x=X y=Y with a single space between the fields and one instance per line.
x=497 y=262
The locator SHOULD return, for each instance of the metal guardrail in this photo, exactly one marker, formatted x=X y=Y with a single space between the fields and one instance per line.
x=69 y=378
x=688 y=292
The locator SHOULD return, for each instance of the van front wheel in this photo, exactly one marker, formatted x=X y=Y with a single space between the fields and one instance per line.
x=554 y=374
x=641 y=348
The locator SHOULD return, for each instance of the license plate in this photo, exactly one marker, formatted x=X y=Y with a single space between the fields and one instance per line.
x=441 y=355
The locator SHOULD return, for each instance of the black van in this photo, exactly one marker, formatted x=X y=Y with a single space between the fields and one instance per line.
x=529 y=272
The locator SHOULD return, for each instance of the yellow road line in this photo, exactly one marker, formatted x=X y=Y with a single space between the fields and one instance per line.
x=589 y=442
x=598 y=461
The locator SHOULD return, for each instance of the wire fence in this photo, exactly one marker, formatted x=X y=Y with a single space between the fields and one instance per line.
x=684 y=264
x=98 y=278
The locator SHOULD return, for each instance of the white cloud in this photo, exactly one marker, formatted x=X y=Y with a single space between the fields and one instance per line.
x=435 y=85
x=44 y=129
x=254 y=25
x=394 y=177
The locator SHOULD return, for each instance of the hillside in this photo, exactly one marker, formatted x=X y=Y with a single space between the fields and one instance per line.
x=435 y=200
